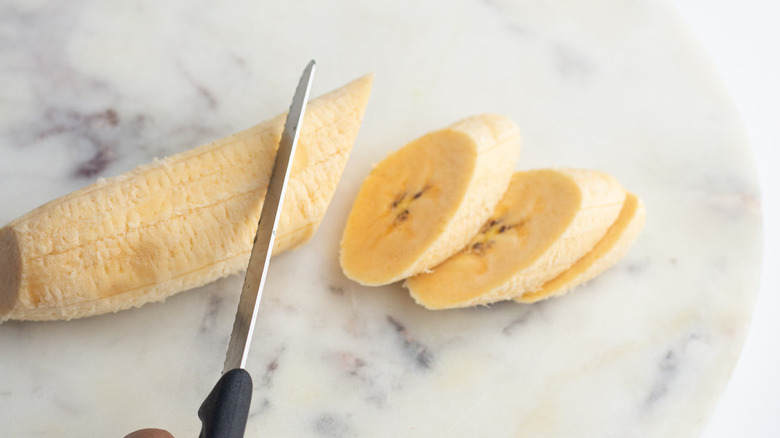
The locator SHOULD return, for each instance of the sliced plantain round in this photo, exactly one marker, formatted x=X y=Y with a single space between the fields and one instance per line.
x=546 y=221
x=425 y=201
x=611 y=248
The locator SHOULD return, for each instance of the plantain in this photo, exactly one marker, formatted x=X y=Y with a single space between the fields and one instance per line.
x=611 y=248
x=425 y=201
x=546 y=221
x=176 y=223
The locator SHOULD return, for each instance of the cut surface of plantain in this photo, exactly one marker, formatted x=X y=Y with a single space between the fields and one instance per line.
x=176 y=223
x=423 y=202
x=611 y=248
x=546 y=221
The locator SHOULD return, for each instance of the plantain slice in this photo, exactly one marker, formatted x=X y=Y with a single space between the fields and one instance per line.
x=611 y=248
x=547 y=220
x=425 y=201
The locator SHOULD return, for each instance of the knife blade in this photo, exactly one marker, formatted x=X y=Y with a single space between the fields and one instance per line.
x=256 y=272
x=224 y=412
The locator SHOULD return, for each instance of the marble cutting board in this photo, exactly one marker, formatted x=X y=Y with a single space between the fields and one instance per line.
x=91 y=89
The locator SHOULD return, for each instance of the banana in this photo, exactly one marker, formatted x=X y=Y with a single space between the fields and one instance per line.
x=176 y=223
x=611 y=248
x=546 y=221
x=425 y=201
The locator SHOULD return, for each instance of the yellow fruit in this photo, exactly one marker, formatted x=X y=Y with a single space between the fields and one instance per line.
x=546 y=221
x=611 y=248
x=423 y=203
x=176 y=223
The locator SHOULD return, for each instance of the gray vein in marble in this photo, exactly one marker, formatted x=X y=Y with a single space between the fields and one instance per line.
x=264 y=384
x=352 y=364
x=360 y=369
x=329 y=425
x=76 y=108
x=204 y=92
x=635 y=266
x=337 y=290
x=44 y=35
x=212 y=312
x=668 y=370
x=260 y=407
x=422 y=355
x=572 y=63
x=96 y=130
x=267 y=380
x=528 y=313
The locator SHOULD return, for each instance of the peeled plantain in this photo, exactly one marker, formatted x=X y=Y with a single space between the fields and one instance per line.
x=176 y=223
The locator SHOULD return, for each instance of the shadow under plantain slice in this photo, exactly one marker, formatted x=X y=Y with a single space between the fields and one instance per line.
x=423 y=202
x=546 y=221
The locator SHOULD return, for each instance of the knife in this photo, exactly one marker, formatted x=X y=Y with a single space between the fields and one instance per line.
x=224 y=412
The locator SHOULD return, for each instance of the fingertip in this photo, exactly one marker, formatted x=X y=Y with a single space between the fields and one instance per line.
x=150 y=433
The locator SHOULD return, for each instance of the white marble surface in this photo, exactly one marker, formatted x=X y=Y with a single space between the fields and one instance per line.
x=743 y=40
x=92 y=89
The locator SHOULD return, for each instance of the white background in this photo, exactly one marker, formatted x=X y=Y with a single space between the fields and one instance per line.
x=743 y=40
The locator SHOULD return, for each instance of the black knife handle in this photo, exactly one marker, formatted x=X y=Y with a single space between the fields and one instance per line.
x=225 y=410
